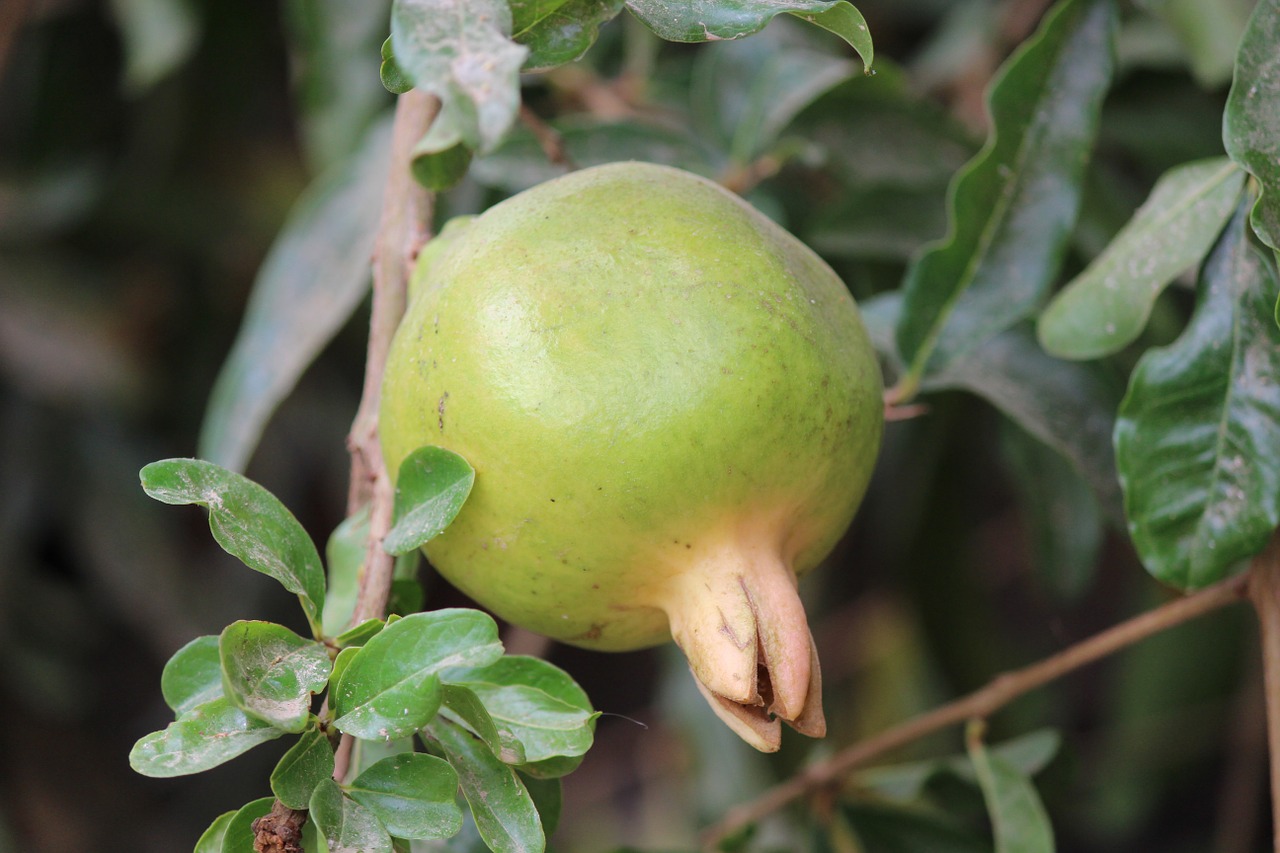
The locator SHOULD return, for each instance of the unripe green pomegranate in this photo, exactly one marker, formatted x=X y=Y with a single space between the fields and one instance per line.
x=673 y=410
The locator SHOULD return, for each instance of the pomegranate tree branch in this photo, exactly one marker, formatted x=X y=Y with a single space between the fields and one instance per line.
x=406 y=213
x=1264 y=591
x=985 y=701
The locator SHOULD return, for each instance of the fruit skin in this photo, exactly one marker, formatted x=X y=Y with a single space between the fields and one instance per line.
x=672 y=408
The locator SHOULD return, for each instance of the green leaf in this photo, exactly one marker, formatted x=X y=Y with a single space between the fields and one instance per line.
x=158 y=35
x=462 y=705
x=313 y=278
x=212 y=839
x=1198 y=435
x=247 y=521
x=239 y=833
x=270 y=673
x=1106 y=307
x=528 y=13
x=1251 y=122
x=360 y=634
x=548 y=798
x=203 y=737
x=537 y=702
x=714 y=20
x=1028 y=754
x=193 y=676
x=462 y=53
x=344 y=555
x=1070 y=406
x=886 y=829
x=1013 y=206
x=440 y=158
x=750 y=90
x=347 y=826
x=299 y=770
x=393 y=79
x=334 y=67
x=431 y=487
x=503 y=810
x=340 y=664
x=391 y=688
x=1059 y=510
x=1018 y=817
x=414 y=795
x=563 y=31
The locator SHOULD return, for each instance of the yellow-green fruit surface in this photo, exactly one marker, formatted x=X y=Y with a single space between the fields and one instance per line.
x=646 y=374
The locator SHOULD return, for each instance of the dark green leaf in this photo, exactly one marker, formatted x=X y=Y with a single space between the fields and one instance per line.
x=537 y=702
x=440 y=158
x=462 y=53
x=247 y=521
x=158 y=36
x=391 y=688
x=334 y=63
x=302 y=768
x=1251 y=123
x=1106 y=307
x=548 y=798
x=563 y=32
x=193 y=676
x=212 y=839
x=527 y=13
x=407 y=595
x=1198 y=436
x=714 y=20
x=1017 y=815
x=413 y=795
x=204 y=737
x=270 y=673
x=1070 y=406
x=239 y=834
x=1013 y=206
x=462 y=705
x=347 y=826
x=393 y=79
x=1059 y=510
x=310 y=283
x=503 y=810
x=431 y=487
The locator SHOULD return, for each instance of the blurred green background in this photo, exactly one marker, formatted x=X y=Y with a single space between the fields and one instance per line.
x=150 y=151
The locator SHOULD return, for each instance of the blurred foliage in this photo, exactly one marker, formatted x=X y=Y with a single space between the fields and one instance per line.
x=152 y=150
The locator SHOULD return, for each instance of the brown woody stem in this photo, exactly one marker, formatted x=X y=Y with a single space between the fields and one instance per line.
x=1264 y=591
x=984 y=702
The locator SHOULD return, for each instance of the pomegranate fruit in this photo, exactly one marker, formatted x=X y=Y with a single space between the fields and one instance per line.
x=673 y=410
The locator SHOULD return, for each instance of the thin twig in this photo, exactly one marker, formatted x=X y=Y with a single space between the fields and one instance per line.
x=406 y=210
x=549 y=139
x=982 y=703
x=1264 y=590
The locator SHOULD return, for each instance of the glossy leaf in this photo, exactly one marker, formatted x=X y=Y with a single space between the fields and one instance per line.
x=1198 y=436
x=1013 y=206
x=1106 y=307
x=562 y=31
x=537 y=702
x=503 y=810
x=716 y=20
x=548 y=799
x=391 y=687
x=239 y=834
x=1070 y=406
x=340 y=664
x=462 y=53
x=212 y=839
x=204 y=737
x=359 y=634
x=270 y=673
x=1251 y=123
x=347 y=826
x=247 y=521
x=1018 y=817
x=462 y=705
x=158 y=36
x=313 y=278
x=431 y=487
x=299 y=770
x=193 y=676
x=412 y=794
